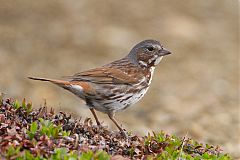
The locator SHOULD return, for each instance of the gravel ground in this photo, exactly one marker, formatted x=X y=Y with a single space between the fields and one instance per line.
x=194 y=91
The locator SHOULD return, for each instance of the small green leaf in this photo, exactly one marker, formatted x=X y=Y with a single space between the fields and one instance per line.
x=1 y=98
x=24 y=104
x=16 y=104
x=206 y=156
x=66 y=133
x=29 y=107
x=101 y=155
x=34 y=127
x=11 y=151
x=86 y=155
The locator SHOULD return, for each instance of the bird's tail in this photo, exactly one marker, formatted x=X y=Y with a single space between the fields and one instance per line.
x=61 y=83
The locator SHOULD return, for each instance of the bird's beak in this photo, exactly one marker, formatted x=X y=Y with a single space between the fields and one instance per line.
x=163 y=52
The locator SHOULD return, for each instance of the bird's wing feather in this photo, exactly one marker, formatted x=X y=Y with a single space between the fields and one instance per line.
x=104 y=75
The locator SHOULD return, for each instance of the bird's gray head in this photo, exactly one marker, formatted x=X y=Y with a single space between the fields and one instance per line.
x=147 y=53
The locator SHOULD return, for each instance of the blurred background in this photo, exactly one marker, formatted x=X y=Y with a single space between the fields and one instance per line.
x=195 y=91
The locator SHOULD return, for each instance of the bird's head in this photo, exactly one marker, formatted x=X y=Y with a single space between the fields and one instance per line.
x=148 y=53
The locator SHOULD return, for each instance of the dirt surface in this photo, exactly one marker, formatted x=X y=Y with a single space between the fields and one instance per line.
x=194 y=91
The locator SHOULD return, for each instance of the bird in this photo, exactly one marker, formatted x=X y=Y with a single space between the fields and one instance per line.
x=117 y=85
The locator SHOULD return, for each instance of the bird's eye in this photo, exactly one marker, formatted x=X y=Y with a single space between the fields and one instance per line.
x=150 y=48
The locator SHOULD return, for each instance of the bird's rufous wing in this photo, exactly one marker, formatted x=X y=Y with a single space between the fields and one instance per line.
x=105 y=75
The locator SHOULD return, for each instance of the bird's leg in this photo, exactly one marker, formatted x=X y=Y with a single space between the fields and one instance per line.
x=111 y=116
x=95 y=116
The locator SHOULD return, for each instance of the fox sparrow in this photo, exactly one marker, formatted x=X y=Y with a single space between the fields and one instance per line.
x=117 y=85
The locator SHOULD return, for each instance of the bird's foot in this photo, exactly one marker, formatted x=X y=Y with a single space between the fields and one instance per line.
x=124 y=134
